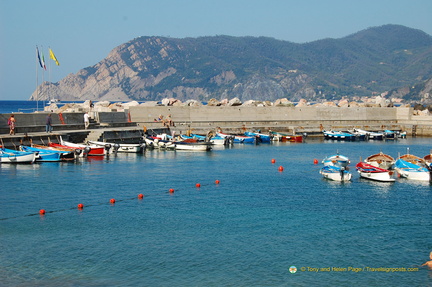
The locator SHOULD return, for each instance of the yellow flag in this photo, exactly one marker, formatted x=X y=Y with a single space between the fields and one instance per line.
x=52 y=56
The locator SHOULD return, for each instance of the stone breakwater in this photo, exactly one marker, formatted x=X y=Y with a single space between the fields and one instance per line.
x=236 y=118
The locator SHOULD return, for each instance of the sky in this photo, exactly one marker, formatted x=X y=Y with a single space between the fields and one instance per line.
x=83 y=32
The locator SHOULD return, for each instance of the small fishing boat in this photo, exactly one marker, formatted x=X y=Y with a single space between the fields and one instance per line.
x=86 y=149
x=14 y=156
x=336 y=173
x=388 y=134
x=49 y=154
x=119 y=147
x=370 y=135
x=381 y=160
x=282 y=137
x=66 y=153
x=259 y=137
x=157 y=143
x=336 y=160
x=43 y=155
x=237 y=138
x=337 y=135
x=374 y=173
x=190 y=145
x=411 y=170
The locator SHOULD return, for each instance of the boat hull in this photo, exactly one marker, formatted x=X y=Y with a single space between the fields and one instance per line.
x=115 y=147
x=335 y=173
x=412 y=171
x=12 y=156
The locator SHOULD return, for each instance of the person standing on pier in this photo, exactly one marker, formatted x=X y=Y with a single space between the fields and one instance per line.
x=11 y=123
x=86 y=120
x=48 y=126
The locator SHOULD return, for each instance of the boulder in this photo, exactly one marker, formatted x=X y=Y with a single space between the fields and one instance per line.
x=234 y=102
x=213 y=102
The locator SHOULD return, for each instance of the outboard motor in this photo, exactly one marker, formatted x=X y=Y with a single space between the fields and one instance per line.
x=258 y=139
x=78 y=152
x=142 y=144
x=86 y=150
x=342 y=173
x=116 y=147
x=107 y=148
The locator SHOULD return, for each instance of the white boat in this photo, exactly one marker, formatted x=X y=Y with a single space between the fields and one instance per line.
x=381 y=160
x=193 y=146
x=374 y=173
x=119 y=147
x=336 y=160
x=156 y=143
x=335 y=173
x=370 y=135
x=411 y=170
x=13 y=156
x=91 y=150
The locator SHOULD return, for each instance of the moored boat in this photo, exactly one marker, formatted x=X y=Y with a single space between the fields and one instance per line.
x=14 y=156
x=371 y=172
x=335 y=173
x=370 y=135
x=119 y=147
x=85 y=149
x=336 y=160
x=237 y=138
x=43 y=155
x=259 y=137
x=411 y=170
x=381 y=160
x=282 y=137
x=337 y=135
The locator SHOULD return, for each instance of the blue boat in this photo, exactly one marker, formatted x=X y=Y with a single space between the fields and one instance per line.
x=46 y=155
x=411 y=170
x=238 y=138
x=14 y=156
x=335 y=135
x=259 y=137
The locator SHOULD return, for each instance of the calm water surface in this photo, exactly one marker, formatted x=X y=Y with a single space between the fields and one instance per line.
x=246 y=231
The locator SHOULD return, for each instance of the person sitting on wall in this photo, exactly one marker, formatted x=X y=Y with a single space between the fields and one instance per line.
x=168 y=121
x=159 y=119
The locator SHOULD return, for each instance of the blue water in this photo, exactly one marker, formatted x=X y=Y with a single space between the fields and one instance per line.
x=246 y=231
x=7 y=107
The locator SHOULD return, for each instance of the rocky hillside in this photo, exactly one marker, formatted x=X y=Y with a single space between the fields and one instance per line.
x=369 y=62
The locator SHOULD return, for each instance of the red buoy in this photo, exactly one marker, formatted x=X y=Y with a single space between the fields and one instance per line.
x=112 y=200
x=315 y=161
x=198 y=185
x=217 y=181
x=140 y=196
x=281 y=168
x=171 y=190
x=80 y=206
x=273 y=160
x=42 y=212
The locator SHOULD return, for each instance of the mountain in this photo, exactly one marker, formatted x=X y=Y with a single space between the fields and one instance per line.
x=371 y=61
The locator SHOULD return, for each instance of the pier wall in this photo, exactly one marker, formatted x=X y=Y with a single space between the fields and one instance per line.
x=310 y=119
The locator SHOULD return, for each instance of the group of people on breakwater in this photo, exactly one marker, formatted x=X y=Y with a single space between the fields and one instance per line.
x=167 y=121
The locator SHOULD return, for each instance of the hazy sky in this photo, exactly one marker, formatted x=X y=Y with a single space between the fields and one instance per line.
x=83 y=32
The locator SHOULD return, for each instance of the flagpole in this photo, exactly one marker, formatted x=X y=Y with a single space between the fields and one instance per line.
x=37 y=80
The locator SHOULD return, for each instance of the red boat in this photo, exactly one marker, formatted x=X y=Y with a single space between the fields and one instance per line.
x=287 y=138
x=92 y=150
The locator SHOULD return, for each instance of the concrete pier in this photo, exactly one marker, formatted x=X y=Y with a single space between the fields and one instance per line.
x=129 y=125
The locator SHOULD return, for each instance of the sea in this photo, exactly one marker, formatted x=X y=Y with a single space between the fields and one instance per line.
x=7 y=107
x=249 y=222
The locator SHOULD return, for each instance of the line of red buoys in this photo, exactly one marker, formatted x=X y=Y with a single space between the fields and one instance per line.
x=80 y=206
